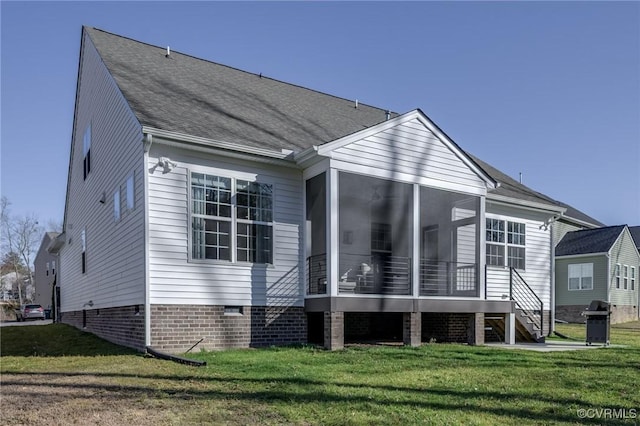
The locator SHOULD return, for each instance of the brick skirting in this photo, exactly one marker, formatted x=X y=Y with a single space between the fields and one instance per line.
x=175 y=328
x=123 y=325
x=453 y=328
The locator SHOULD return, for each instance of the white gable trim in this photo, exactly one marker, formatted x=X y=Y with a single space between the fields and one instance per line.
x=326 y=149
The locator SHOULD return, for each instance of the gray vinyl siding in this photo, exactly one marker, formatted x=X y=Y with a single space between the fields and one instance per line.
x=115 y=267
x=561 y=228
x=624 y=253
x=410 y=149
x=566 y=297
x=175 y=279
x=537 y=273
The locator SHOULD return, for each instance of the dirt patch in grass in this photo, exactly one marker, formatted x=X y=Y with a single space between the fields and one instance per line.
x=88 y=399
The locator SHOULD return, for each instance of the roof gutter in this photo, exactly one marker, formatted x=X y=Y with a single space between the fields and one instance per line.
x=56 y=243
x=212 y=146
x=529 y=205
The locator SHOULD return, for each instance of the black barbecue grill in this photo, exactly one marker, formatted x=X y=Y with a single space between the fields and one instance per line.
x=598 y=323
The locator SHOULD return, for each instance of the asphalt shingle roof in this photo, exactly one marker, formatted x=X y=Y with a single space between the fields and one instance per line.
x=510 y=187
x=588 y=241
x=635 y=233
x=184 y=94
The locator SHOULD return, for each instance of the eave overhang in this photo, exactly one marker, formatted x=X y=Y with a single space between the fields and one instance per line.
x=56 y=243
x=213 y=146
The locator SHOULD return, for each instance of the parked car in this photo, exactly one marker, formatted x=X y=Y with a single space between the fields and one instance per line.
x=30 y=312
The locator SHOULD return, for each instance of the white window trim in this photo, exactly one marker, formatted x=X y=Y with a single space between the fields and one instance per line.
x=234 y=176
x=617 y=276
x=580 y=277
x=506 y=243
x=633 y=278
x=117 y=206
x=86 y=150
x=625 y=277
x=130 y=195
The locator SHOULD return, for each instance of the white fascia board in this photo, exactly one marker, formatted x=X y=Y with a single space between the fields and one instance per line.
x=580 y=222
x=529 y=205
x=228 y=149
x=578 y=256
x=628 y=232
x=56 y=243
x=326 y=149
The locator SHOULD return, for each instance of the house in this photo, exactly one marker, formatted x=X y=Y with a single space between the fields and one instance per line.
x=206 y=202
x=635 y=233
x=9 y=286
x=45 y=265
x=597 y=264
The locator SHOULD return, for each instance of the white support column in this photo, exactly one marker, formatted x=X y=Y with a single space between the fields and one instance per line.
x=510 y=328
x=415 y=255
x=482 y=249
x=332 y=232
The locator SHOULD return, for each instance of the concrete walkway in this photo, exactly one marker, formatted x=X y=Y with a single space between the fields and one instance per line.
x=552 y=346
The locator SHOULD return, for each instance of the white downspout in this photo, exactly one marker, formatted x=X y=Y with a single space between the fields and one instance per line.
x=552 y=298
x=147 y=141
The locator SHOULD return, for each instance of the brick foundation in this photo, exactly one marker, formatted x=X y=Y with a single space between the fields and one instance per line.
x=619 y=313
x=175 y=328
x=334 y=330
x=453 y=328
x=623 y=313
x=123 y=325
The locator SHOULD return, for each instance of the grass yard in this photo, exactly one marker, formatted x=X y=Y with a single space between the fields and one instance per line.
x=57 y=375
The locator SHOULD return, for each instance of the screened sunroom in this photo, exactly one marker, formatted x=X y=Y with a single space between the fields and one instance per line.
x=375 y=236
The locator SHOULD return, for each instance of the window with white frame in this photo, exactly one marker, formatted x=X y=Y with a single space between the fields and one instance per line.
x=506 y=243
x=86 y=151
x=53 y=267
x=130 y=193
x=633 y=278
x=581 y=276
x=625 y=277
x=47 y=268
x=231 y=219
x=116 y=204
x=83 y=240
x=617 y=275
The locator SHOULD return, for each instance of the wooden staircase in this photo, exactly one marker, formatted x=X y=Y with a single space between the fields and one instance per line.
x=529 y=311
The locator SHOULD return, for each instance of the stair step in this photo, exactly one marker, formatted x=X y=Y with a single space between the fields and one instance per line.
x=494 y=318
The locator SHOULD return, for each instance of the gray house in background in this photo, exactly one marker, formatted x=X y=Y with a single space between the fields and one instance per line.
x=597 y=264
x=46 y=266
x=208 y=202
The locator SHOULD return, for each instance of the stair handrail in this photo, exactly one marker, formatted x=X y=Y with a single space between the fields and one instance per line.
x=521 y=292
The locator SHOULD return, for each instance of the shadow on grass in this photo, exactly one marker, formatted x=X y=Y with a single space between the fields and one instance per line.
x=54 y=340
x=300 y=391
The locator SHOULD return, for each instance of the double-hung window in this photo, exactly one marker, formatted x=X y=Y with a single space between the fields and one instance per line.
x=633 y=278
x=86 y=151
x=617 y=275
x=231 y=219
x=625 y=277
x=581 y=276
x=506 y=243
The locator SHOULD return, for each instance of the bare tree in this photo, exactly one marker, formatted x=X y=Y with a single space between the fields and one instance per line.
x=20 y=235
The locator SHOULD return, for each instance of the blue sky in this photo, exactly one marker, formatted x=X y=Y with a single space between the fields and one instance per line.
x=548 y=89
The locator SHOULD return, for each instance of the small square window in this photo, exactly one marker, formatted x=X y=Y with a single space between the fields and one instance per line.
x=233 y=310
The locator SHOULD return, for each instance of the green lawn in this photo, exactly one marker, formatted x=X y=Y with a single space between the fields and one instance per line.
x=59 y=375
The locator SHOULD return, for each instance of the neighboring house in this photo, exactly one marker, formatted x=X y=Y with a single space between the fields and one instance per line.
x=8 y=286
x=635 y=233
x=45 y=265
x=208 y=202
x=597 y=264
